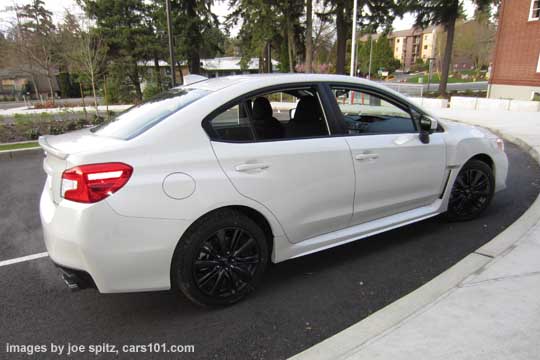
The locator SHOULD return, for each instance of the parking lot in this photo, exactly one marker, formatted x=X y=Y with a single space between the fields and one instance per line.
x=300 y=303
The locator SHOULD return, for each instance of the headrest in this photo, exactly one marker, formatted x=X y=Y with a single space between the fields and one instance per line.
x=262 y=109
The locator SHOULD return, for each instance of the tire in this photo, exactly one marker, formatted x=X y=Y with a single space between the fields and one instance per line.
x=220 y=259
x=472 y=191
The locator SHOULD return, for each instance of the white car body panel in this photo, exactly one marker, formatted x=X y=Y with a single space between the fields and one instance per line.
x=403 y=175
x=308 y=184
x=306 y=194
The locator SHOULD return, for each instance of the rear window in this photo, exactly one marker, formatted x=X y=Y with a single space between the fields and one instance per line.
x=142 y=117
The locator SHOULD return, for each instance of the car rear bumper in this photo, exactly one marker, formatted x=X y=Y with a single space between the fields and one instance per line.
x=119 y=253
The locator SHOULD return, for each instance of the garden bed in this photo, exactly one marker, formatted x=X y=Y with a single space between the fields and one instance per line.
x=30 y=127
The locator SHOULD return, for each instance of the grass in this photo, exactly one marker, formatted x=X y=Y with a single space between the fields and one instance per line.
x=452 y=79
x=28 y=145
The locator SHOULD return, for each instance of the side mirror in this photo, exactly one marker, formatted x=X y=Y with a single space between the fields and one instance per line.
x=428 y=126
x=291 y=113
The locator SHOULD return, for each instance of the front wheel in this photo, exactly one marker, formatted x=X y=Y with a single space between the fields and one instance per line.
x=221 y=260
x=472 y=191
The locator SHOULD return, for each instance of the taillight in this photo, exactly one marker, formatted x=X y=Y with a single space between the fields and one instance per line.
x=94 y=182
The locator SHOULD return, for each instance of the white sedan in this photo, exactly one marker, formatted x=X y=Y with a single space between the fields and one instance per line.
x=202 y=186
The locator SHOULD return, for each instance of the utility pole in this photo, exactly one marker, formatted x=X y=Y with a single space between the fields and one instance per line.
x=353 y=42
x=171 y=49
x=370 y=58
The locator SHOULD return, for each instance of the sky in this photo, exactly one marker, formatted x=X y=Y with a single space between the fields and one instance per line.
x=58 y=8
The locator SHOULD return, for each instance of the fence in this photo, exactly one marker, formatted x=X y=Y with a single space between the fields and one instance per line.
x=411 y=90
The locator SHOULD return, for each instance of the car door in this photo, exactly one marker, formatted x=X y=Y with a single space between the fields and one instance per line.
x=305 y=177
x=395 y=171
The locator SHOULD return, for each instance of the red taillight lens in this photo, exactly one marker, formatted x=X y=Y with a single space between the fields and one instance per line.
x=94 y=182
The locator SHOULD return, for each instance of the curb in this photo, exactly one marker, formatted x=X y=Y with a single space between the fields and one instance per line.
x=347 y=342
x=17 y=153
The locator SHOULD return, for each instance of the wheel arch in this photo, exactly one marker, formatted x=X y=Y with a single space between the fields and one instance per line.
x=484 y=158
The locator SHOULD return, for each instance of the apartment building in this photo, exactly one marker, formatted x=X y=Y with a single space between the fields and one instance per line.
x=414 y=44
x=516 y=64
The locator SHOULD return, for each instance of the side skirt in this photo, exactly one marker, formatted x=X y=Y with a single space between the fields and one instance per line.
x=357 y=232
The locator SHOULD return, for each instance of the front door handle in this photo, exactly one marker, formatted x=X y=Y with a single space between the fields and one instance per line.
x=366 y=157
x=251 y=167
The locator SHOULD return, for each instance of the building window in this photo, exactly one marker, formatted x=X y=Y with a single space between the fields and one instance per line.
x=397 y=41
x=538 y=66
x=535 y=10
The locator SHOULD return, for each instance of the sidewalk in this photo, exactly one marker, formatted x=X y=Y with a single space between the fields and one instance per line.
x=485 y=307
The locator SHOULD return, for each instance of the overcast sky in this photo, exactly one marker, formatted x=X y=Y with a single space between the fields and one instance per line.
x=58 y=7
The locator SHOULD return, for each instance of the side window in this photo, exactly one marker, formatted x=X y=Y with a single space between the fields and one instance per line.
x=278 y=115
x=233 y=124
x=365 y=113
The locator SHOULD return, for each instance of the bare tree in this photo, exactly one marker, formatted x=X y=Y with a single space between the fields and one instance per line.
x=88 y=54
x=36 y=39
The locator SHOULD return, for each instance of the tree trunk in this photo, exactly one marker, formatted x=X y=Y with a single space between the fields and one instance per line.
x=179 y=67
x=93 y=80
x=83 y=103
x=309 y=36
x=157 y=72
x=195 y=62
x=50 y=87
x=136 y=81
x=35 y=87
x=341 y=45
x=447 y=59
x=290 y=41
x=194 y=57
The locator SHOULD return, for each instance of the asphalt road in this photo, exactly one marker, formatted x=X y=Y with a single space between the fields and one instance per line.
x=300 y=303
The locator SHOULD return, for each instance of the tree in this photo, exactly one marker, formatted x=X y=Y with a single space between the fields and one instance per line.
x=36 y=40
x=372 y=16
x=445 y=13
x=123 y=27
x=382 y=56
x=475 y=40
x=87 y=52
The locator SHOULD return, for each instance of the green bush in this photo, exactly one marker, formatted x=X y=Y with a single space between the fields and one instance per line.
x=152 y=89
x=97 y=120
x=33 y=133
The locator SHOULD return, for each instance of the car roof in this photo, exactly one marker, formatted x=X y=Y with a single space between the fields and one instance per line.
x=216 y=84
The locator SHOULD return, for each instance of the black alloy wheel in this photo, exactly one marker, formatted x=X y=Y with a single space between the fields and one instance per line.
x=221 y=258
x=472 y=191
x=226 y=263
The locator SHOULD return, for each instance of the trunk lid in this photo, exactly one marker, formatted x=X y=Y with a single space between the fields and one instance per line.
x=58 y=148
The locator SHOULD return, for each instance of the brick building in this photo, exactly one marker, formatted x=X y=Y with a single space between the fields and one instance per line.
x=516 y=65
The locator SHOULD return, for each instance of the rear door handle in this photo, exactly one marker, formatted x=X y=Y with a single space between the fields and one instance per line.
x=251 y=167
x=366 y=157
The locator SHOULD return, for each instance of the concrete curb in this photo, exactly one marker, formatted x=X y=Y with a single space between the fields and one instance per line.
x=350 y=340
x=17 y=153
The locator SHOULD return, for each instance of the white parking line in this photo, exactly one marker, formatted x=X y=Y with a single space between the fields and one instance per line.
x=23 y=259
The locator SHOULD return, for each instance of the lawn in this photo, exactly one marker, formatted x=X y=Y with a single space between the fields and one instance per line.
x=4 y=147
x=435 y=78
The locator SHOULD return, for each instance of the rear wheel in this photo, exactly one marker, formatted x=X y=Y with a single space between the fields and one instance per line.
x=472 y=191
x=221 y=260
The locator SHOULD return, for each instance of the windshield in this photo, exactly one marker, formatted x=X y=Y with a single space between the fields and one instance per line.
x=140 y=118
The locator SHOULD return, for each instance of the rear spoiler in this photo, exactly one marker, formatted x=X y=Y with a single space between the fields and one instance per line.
x=50 y=149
